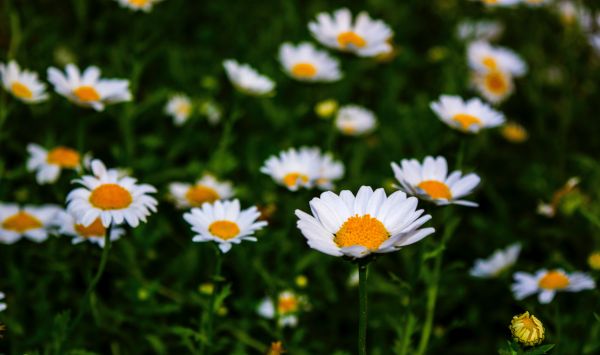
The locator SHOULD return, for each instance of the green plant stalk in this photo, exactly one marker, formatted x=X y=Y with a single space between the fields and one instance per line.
x=362 y=307
x=207 y=327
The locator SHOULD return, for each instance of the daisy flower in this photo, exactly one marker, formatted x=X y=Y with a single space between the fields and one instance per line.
x=306 y=63
x=484 y=57
x=138 y=5
x=494 y=85
x=94 y=233
x=479 y=30
x=111 y=198
x=294 y=168
x=547 y=282
x=29 y=222
x=357 y=226
x=179 y=107
x=48 y=164
x=286 y=310
x=354 y=120
x=88 y=89
x=499 y=3
x=364 y=36
x=207 y=189
x=430 y=181
x=466 y=116
x=497 y=263
x=22 y=84
x=247 y=80
x=223 y=222
x=329 y=171
x=527 y=329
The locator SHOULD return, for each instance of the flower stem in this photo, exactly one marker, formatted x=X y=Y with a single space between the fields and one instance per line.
x=206 y=347
x=362 y=313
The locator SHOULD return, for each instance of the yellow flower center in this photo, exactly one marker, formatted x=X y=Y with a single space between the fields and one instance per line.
x=304 y=70
x=183 y=109
x=465 y=120
x=21 y=91
x=351 y=38
x=594 y=260
x=292 y=179
x=436 y=189
x=364 y=230
x=287 y=304
x=21 y=222
x=489 y=62
x=198 y=194
x=95 y=229
x=496 y=82
x=224 y=229
x=139 y=3
x=86 y=93
x=63 y=157
x=110 y=197
x=554 y=280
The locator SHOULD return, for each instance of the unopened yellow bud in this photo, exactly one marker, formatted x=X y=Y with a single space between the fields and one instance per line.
x=527 y=329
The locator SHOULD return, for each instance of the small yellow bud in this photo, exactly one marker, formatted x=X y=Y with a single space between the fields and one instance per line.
x=276 y=348
x=594 y=260
x=514 y=132
x=527 y=329
x=301 y=281
x=206 y=288
x=326 y=108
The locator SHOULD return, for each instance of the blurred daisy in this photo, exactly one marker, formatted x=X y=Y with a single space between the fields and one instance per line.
x=479 y=30
x=88 y=89
x=547 y=282
x=499 y=3
x=111 y=198
x=534 y=2
x=207 y=189
x=29 y=222
x=500 y=261
x=223 y=222
x=514 y=132
x=179 y=107
x=485 y=57
x=306 y=63
x=2 y=304
x=364 y=37
x=494 y=85
x=286 y=310
x=22 y=84
x=594 y=40
x=48 y=164
x=354 y=120
x=356 y=226
x=329 y=171
x=430 y=181
x=248 y=80
x=94 y=233
x=467 y=116
x=211 y=111
x=294 y=168
x=138 y=5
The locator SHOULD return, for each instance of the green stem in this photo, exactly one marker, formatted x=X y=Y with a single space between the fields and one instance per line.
x=362 y=313
x=206 y=347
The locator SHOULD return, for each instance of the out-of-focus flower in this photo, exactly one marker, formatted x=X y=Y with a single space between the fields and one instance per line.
x=48 y=164
x=22 y=84
x=306 y=63
x=330 y=170
x=138 y=5
x=87 y=89
x=276 y=348
x=207 y=288
x=288 y=306
x=326 y=108
x=224 y=222
x=499 y=3
x=357 y=226
x=354 y=120
x=94 y=233
x=29 y=222
x=212 y=111
x=594 y=260
x=484 y=30
x=494 y=85
x=179 y=107
x=111 y=198
x=430 y=181
x=364 y=36
x=514 y=132
x=547 y=282
x=466 y=116
x=301 y=281
x=484 y=57
x=354 y=278
x=207 y=189
x=549 y=209
x=527 y=329
x=2 y=304
x=497 y=263
x=247 y=80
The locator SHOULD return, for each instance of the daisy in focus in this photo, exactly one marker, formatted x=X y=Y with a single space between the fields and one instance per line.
x=546 y=283
x=286 y=310
x=94 y=233
x=479 y=30
x=112 y=198
x=179 y=107
x=247 y=80
x=306 y=63
x=87 y=89
x=497 y=263
x=484 y=57
x=362 y=36
x=430 y=181
x=225 y=223
x=138 y=5
x=29 y=222
x=22 y=84
x=48 y=164
x=207 y=189
x=466 y=116
x=357 y=226
x=354 y=120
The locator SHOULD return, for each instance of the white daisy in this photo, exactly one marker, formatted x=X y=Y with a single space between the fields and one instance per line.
x=306 y=63
x=430 y=181
x=111 y=198
x=479 y=30
x=94 y=233
x=206 y=189
x=288 y=306
x=48 y=164
x=356 y=226
x=294 y=168
x=494 y=85
x=22 y=84
x=29 y=222
x=354 y=120
x=138 y=5
x=88 y=89
x=497 y=263
x=548 y=282
x=484 y=57
x=329 y=171
x=179 y=107
x=467 y=116
x=364 y=37
x=499 y=3
x=223 y=222
x=248 y=80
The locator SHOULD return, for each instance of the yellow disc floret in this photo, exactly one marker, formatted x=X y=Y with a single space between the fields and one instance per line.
x=110 y=197
x=96 y=229
x=86 y=93
x=465 y=120
x=436 y=189
x=554 y=280
x=346 y=39
x=21 y=91
x=304 y=70
x=197 y=195
x=63 y=157
x=21 y=222
x=224 y=229
x=364 y=230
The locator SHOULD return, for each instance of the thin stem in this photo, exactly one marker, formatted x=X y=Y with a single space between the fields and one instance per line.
x=206 y=347
x=362 y=315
